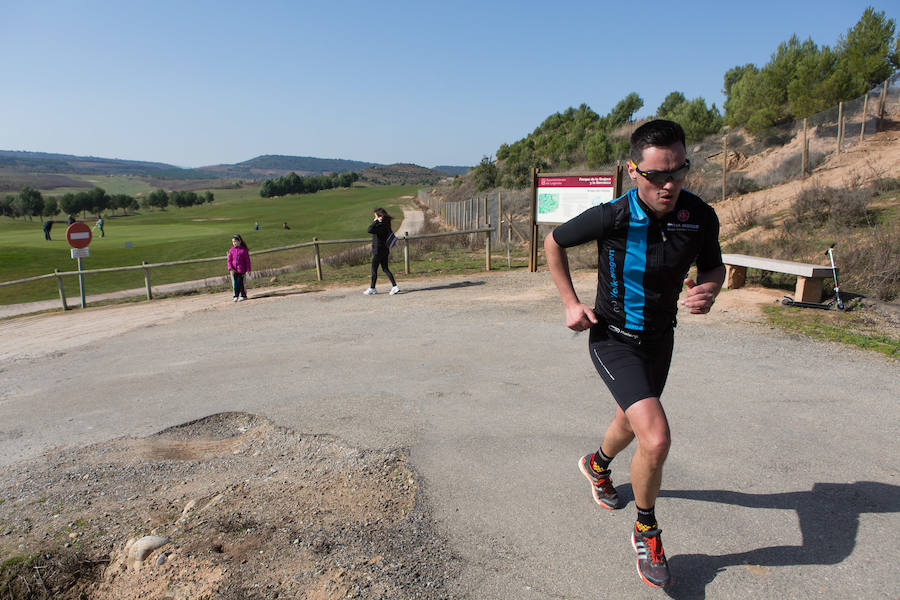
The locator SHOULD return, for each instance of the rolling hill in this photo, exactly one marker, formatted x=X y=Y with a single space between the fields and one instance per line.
x=47 y=171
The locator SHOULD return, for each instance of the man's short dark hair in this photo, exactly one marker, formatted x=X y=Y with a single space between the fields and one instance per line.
x=658 y=132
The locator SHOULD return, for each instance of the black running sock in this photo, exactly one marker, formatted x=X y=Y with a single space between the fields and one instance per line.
x=646 y=518
x=602 y=460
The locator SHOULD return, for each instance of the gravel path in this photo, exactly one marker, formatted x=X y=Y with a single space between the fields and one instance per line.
x=776 y=485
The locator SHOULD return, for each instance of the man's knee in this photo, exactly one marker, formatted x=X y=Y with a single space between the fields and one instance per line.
x=651 y=429
x=655 y=446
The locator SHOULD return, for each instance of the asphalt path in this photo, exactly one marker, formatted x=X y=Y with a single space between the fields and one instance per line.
x=781 y=481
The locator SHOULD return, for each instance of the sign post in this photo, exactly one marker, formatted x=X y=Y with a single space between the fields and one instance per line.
x=556 y=198
x=79 y=236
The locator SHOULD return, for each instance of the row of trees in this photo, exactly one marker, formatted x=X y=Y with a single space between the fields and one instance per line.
x=294 y=184
x=582 y=137
x=159 y=198
x=803 y=78
x=30 y=203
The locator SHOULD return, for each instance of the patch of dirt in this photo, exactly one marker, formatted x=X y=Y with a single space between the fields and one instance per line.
x=230 y=506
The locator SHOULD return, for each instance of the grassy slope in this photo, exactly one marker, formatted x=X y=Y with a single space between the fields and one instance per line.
x=184 y=233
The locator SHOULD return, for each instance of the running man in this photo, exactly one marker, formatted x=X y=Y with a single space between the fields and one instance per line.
x=647 y=240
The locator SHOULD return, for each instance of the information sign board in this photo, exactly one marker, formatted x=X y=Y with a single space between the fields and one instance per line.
x=561 y=197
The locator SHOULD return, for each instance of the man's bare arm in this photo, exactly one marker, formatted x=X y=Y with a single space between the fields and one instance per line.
x=578 y=316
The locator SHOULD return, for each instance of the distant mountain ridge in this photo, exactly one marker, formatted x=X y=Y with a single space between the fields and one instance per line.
x=272 y=165
x=46 y=162
x=261 y=167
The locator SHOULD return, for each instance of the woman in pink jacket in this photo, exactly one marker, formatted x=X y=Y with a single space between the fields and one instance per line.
x=238 y=266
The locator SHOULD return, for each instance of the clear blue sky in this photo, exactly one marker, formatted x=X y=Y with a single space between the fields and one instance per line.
x=196 y=83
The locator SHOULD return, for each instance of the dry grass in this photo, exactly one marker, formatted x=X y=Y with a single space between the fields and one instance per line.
x=48 y=575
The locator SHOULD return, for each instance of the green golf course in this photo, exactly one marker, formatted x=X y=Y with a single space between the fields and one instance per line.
x=177 y=234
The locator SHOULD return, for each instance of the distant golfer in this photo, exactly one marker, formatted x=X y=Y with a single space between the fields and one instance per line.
x=99 y=225
x=48 y=224
x=238 y=266
x=285 y=225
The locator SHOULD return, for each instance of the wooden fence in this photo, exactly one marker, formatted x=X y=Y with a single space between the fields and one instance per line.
x=316 y=243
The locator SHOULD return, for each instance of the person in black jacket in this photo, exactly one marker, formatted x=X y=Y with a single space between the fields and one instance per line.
x=382 y=240
x=646 y=240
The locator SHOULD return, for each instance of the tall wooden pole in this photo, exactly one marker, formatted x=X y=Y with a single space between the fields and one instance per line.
x=840 y=139
x=862 y=123
x=804 y=163
x=500 y=216
x=532 y=251
x=487 y=247
x=724 y=165
x=318 y=260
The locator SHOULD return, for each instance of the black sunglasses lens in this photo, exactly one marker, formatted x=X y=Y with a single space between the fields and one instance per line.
x=661 y=177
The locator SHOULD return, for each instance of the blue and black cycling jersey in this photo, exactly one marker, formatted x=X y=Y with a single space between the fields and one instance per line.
x=643 y=260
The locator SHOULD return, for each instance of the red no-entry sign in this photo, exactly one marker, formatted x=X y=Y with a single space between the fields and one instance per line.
x=78 y=235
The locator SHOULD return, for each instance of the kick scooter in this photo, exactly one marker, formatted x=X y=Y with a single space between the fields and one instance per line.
x=788 y=301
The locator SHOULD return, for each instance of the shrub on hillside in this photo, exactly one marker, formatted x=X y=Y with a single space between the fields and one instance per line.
x=836 y=208
x=745 y=214
x=884 y=186
x=873 y=264
x=849 y=208
x=737 y=184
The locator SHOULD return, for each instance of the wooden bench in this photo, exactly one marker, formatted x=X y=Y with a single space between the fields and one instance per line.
x=809 y=277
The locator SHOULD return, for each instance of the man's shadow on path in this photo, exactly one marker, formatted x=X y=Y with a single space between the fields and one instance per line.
x=448 y=286
x=829 y=521
x=282 y=293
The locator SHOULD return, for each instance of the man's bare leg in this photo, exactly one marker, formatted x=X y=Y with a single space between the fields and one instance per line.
x=647 y=420
x=618 y=434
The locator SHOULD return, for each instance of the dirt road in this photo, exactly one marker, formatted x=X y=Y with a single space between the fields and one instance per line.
x=776 y=484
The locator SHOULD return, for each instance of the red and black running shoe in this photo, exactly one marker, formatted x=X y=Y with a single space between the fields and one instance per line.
x=652 y=565
x=601 y=484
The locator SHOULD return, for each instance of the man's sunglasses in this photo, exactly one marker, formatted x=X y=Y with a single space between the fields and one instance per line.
x=663 y=177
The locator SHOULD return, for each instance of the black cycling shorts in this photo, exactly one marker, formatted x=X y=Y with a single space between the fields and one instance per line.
x=632 y=368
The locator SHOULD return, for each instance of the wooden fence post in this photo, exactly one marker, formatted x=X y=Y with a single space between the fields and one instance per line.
x=499 y=215
x=804 y=162
x=862 y=123
x=724 y=165
x=840 y=135
x=318 y=260
x=508 y=244
x=406 y=252
x=487 y=247
x=147 y=280
x=62 y=291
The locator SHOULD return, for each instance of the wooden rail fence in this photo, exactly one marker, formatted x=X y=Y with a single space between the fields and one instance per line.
x=488 y=230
